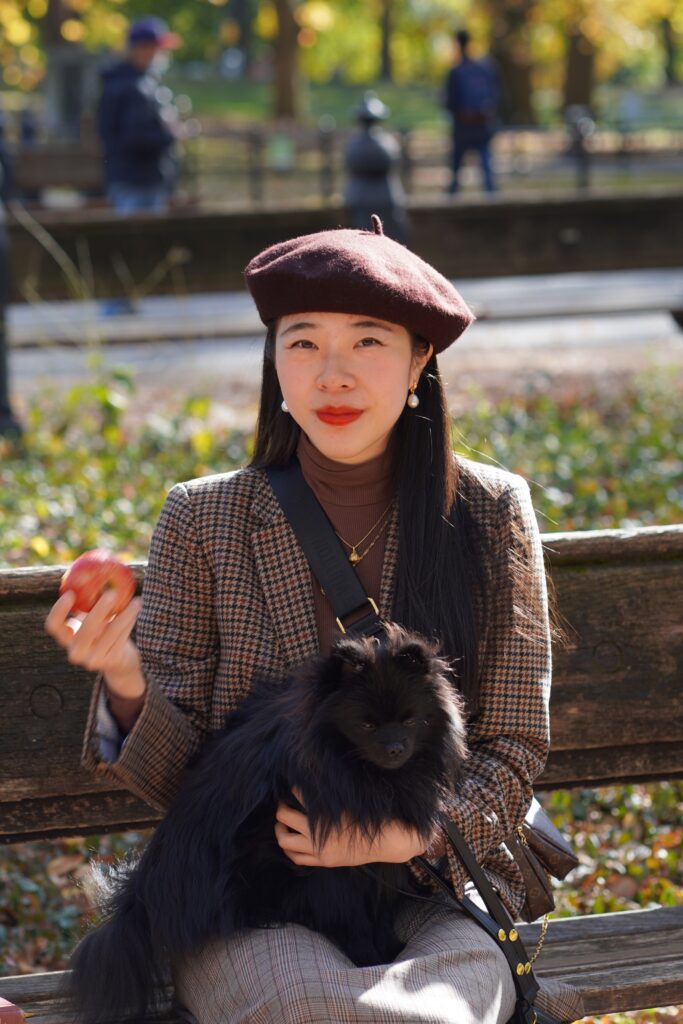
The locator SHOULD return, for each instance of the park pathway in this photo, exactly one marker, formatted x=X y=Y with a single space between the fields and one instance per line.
x=514 y=345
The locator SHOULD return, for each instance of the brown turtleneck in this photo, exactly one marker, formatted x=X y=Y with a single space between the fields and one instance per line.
x=354 y=498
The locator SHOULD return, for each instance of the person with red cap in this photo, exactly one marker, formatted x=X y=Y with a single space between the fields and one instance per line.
x=446 y=546
x=135 y=125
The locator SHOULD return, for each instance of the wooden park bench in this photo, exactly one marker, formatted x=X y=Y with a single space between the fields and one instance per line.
x=617 y=716
x=72 y=165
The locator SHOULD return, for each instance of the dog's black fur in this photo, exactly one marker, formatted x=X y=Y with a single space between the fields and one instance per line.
x=374 y=731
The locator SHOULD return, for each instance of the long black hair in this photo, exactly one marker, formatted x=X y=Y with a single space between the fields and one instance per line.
x=443 y=577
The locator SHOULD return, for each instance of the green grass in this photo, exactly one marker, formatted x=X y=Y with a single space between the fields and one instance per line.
x=411 y=106
x=416 y=105
x=83 y=477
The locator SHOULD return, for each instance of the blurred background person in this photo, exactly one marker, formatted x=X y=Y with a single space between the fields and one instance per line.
x=472 y=97
x=372 y=160
x=136 y=125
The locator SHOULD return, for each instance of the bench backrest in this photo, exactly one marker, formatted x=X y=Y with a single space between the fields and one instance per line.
x=617 y=713
x=59 y=165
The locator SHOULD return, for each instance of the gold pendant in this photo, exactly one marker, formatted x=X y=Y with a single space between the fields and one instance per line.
x=354 y=557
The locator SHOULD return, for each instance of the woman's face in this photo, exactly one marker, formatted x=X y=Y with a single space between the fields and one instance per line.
x=345 y=378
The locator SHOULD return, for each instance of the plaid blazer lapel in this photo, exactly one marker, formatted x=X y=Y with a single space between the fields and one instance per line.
x=285 y=578
x=388 y=584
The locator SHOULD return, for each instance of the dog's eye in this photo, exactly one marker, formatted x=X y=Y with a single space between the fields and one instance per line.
x=368 y=726
x=409 y=721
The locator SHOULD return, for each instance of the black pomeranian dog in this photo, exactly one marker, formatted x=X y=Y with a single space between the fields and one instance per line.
x=375 y=731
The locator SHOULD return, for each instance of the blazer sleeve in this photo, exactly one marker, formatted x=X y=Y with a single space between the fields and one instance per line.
x=509 y=741
x=177 y=636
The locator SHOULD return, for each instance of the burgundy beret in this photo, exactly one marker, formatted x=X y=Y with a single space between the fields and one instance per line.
x=350 y=271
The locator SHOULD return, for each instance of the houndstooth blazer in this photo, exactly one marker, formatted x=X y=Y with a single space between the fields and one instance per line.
x=227 y=597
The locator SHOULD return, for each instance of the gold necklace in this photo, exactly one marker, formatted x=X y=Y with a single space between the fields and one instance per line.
x=354 y=557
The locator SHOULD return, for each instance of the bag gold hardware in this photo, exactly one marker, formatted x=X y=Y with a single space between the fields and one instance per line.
x=372 y=605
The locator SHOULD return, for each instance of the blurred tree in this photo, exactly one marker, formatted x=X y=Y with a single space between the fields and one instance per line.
x=557 y=45
x=511 y=30
x=243 y=12
x=579 y=70
x=596 y=39
x=287 y=99
x=670 y=51
x=62 y=32
x=386 y=72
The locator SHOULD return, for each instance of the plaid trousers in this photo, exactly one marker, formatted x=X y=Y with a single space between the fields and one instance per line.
x=449 y=972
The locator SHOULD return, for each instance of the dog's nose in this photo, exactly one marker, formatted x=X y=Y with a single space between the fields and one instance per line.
x=395 y=749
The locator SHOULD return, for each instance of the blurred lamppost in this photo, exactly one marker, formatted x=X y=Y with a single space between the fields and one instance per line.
x=9 y=425
x=70 y=68
x=581 y=126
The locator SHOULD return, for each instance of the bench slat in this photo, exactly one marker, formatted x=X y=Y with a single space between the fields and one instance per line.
x=621 y=961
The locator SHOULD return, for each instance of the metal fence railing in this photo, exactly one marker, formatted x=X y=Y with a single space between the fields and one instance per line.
x=259 y=164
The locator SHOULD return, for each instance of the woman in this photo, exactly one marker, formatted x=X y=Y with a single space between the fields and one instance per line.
x=444 y=545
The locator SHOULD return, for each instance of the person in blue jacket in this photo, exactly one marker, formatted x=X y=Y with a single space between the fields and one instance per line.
x=472 y=96
x=136 y=126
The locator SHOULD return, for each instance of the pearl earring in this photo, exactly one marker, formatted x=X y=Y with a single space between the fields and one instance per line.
x=413 y=401
x=284 y=406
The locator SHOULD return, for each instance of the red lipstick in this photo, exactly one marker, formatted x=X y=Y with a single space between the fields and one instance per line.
x=338 y=415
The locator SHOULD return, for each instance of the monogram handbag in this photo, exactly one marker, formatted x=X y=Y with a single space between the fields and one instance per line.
x=540 y=850
x=537 y=846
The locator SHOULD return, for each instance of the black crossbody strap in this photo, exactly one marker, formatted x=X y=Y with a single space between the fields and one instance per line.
x=323 y=550
x=525 y=982
x=497 y=922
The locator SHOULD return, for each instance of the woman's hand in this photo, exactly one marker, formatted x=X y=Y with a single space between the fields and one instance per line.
x=347 y=847
x=100 y=642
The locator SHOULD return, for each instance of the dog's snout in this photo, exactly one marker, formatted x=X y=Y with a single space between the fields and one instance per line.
x=395 y=749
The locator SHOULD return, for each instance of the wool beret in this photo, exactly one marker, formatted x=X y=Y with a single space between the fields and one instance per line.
x=357 y=271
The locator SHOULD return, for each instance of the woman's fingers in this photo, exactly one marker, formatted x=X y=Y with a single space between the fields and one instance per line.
x=108 y=653
x=294 y=819
x=93 y=626
x=120 y=628
x=296 y=846
x=56 y=621
x=97 y=640
x=294 y=842
x=101 y=626
x=298 y=795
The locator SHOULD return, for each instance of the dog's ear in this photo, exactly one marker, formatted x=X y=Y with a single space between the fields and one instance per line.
x=409 y=648
x=413 y=654
x=350 y=654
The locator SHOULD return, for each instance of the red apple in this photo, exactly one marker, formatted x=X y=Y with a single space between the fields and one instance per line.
x=93 y=573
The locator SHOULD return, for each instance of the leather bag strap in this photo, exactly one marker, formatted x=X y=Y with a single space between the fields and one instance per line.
x=525 y=981
x=322 y=548
x=497 y=921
